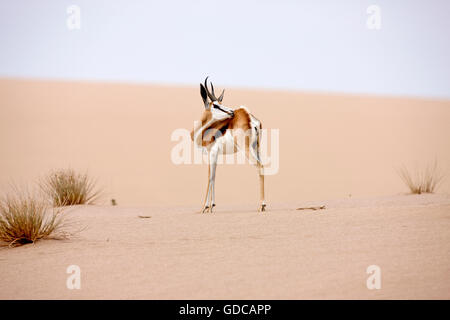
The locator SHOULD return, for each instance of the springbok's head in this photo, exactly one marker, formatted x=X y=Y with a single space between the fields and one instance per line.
x=213 y=104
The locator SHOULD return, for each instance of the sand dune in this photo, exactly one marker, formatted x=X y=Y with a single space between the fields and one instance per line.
x=330 y=145
x=237 y=253
x=340 y=151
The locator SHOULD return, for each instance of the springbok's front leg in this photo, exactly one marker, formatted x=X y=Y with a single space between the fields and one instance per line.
x=206 y=202
x=209 y=202
x=212 y=179
x=210 y=194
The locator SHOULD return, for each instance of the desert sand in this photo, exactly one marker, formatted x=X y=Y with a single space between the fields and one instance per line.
x=340 y=151
x=237 y=253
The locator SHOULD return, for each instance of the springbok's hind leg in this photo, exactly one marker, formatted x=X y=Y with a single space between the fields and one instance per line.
x=262 y=206
x=253 y=152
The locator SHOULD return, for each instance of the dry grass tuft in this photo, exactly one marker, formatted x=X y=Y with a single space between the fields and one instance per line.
x=425 y=181
x=26 y=219
x=66 y=188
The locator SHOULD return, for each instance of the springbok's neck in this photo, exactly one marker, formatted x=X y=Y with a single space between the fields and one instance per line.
x=198 y=134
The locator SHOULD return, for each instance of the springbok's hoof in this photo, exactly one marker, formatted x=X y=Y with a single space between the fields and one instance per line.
x=262 y=208
x=211 y=208
x=205 y=209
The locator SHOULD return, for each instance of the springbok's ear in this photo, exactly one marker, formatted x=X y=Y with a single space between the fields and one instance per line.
x=221 y=96
x=204 y=95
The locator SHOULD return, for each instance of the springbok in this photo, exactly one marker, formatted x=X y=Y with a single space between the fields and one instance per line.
x=223 y=130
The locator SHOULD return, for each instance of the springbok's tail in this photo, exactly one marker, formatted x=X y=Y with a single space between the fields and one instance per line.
x=258 y=149
x=258 y=145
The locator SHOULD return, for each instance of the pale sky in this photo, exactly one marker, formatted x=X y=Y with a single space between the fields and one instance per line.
x=304 y=45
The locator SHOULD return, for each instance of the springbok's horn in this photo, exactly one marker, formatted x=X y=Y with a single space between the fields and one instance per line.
x=212 y=91
x=207 y=91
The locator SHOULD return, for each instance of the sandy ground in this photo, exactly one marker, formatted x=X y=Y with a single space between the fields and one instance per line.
x=236 y=253
x=330 y=145
x=340 y=147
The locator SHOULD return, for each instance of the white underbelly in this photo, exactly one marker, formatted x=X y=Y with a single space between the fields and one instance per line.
x=225 y=144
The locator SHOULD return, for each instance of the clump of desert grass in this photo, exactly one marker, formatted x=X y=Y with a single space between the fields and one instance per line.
x=25 y=218
x=422 y=181
x=66 y=187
